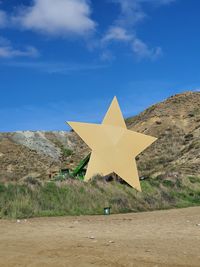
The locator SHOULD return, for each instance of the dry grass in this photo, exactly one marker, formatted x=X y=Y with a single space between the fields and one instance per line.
x=72 y=197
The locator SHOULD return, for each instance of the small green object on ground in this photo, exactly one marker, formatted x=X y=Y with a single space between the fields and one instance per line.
x=107 y=211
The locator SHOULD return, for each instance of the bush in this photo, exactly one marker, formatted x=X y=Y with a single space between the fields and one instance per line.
x=194 y=179
x=67 y=152
x=168 y=183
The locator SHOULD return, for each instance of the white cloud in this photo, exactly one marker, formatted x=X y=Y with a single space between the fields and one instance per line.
x=124 y=28
x=57 y=17
x=143 y=51
x=107 y=56
x=73 y=17
x=131 y=12
x=7 y=51
x=116 y=33
x=140 y=49
x=3 y=18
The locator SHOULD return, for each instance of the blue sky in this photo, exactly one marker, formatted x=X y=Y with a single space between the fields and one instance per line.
x=66 y=59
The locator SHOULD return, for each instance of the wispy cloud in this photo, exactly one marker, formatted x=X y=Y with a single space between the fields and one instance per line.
x=3 y=19
x=56 y=67
x=142 y=50
x=107 y=56
x=124 y=28
x=116 y=33
x=8 y=51
x=59 y=18
x=139 y=47
x=131 y=12
x=70 y=18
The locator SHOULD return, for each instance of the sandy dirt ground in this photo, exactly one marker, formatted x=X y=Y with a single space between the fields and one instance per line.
x=161 y=238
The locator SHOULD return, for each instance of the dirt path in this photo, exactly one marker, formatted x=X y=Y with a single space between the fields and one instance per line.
x=160 y=238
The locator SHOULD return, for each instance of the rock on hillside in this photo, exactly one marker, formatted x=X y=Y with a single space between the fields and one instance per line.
x=175 y=121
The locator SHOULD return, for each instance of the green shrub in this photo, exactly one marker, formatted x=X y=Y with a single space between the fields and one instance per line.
x=168 y=183
x=67 y=152
x=194 y=179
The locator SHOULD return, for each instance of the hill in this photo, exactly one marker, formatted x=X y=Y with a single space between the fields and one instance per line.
x=175 y=122
x=28 y=159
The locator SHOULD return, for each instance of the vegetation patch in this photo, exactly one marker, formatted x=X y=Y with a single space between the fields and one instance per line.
x=74 y=197
x=66 y=152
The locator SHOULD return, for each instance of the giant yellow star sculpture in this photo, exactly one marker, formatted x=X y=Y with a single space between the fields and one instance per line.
x=113 y=146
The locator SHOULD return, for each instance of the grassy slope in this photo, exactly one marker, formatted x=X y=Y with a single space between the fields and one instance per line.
x=79 y=198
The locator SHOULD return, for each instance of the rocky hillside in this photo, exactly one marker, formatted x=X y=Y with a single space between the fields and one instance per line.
x=176 y=123
x=38 y=154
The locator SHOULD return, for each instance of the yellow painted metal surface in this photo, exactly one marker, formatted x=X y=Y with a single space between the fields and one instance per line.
x=113 y=146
